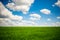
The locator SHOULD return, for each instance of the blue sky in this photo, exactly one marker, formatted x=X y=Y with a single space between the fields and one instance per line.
x=48 y=11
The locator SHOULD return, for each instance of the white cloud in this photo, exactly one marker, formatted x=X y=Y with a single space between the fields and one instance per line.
x=16 y=17
x=58 y=17
x=11 y=6
x=9 y=22
x=23 y=2
x=52 y=24
x=28 y=23
x=8 y=19
x=56 y=24
x=6 y=22
x=35 y=17
x=48 y=19
x=45 y=11
x=4 y=12
x=53 y=5
x=20 y=5
x=58 y=3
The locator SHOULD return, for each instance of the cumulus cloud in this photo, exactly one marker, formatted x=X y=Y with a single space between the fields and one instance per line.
x=6 y=22
x=52 y=24
x=48 y=19
x=45 y=11
x=35 y=17
x=56 y=24
x=16 y=17
x=11 y=6
x=58 y=3
x=28 y=23
x=4 y=13
x=23 y=2
x=8 y=19
x=20 y=5
x=58 y=17
x=53 y=5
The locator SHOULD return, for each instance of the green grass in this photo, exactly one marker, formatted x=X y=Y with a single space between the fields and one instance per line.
x=29 y=33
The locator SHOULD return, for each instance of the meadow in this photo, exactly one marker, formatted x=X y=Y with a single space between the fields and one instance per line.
x=29 y=33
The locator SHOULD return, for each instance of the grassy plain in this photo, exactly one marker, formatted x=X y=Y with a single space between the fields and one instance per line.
x=29 y=33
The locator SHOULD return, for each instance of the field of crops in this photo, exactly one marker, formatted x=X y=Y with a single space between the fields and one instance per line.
x=29 y=33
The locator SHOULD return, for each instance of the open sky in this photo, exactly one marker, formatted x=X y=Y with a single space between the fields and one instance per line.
x=30 y=12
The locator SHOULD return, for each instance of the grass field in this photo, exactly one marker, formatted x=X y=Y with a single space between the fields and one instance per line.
x=29 y=33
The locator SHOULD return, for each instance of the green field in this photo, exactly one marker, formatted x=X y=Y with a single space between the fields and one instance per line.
x=29 y=33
